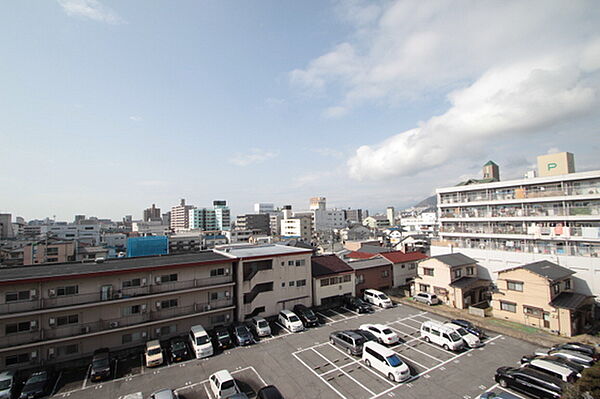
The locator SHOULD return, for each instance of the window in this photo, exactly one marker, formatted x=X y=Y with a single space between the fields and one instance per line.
x=290 y=263
x=282 y=284
x=324 y=282
x=67 y=350
x=16 y=359
x=534 y=312
x=133 y=337
x=412 y=266
x=169 y=303
x=18 y=296
x=515 y=286
x=300 y=283
x=556 y=288
x=568 y=284
x=52 y=251
x=214 y=296
x=301 y=262
x=70 y=319
x=423 y=287
x=68 y=290
x=218 y=319
x=470 y=271
x=166 y=330
x=167 y=278
x=136 y=282
x=217 y=272
x=508 y=306
x=18 y=327
x=291 y=283
x=458 y=273
x=131 y=310
x=347 y=278
x=427 y=271
x=360 y=279
x=385 y=273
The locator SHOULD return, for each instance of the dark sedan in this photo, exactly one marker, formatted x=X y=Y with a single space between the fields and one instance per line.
x=529 y=381
x=470 y=327
x=221 y=338
x=307 y=316
x=269 y=392
x=242 y=335
x=100 y=369
x=358 y=305
x=38 y=384
x=178 y=350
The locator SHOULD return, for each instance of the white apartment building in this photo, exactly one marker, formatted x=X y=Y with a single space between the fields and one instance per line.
x=424 y=223
x=88 y=233
x=152 y=228
x=329 y=219
x=297 y=227
x=264 y=207
x=505 y=224
x=180 y=218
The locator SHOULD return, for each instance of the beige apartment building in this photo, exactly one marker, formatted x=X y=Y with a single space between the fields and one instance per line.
x=541 y=295
x=56 y=312
x=454 y=278
x=49 y=251
x=270 y=278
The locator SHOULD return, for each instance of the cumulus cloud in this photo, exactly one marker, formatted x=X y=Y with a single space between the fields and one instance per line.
x=91 y=9
x=253 y=156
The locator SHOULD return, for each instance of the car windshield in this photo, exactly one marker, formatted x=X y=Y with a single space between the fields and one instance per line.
x=309 y=313
x=100 y=363
x=462 y=331
x=222 y=334
x=4 y=384
x=154 y=351
x=294 y=318
x=177 y=345
x=455 y=337
x=394 y=361
x=34 y=379
x=201 y=340
x=263 y=324
x=381 y=296
x=227 y=385
x=387 y=331
x=241 y=330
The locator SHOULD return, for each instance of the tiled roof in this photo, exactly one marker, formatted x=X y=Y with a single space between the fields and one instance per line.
x=376 y=261
x=569 y=300
x=456 y=259
x=401 y=257
x=328 y=264
x=550 y=270
x=360 y=255
x=374 y=249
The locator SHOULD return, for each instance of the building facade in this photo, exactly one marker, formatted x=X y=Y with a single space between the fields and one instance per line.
x=152 y=214
x=333 y=280
x=297 y=227
x=373 y=273
x=254 y=221
x=180 y=218
x=50 y=251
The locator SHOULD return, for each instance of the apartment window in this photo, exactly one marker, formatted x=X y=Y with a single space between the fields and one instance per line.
x=424 y=287
x=300 y=283
x=470 y=271
x=70 y=319
x=214 y=296
x=347 y=278
x=68 y=290
x=50 y=260
x=167 y=278
x=18 y=327
x=427 y=271
x=324 y=282
x=53 y=251
x=169 y=303
x=412 y=266
x=67 y=350
x=291 y=283
x=136 y=282
x=301 y=262
x=218 y=319
x=515 y=286
x=217 y=272
x=556 y=288
x=290 y=263
x=534 y=312
x=133 y=337
x=360 y=279
x=18 y=296
x=385 y=273
x=568 y=284
x=457 y=273
x=131 y=310
x=17 y=359
x=508 y=306
x=166 y=330
x=282 y=284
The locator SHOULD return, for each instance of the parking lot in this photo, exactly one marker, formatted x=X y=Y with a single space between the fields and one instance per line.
x=306 y=365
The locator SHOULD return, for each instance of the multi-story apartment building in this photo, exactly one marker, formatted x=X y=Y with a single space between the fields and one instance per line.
x=180 y=218
x=354 y=215
x=152 y=228
x=264 y=207
x=503 y=224
x=424 y=223
x=50 y=251
x=222 y=215
x=82 y=233
x=152 y=214
x=254 y=221
x=376 y=222
x=56 y=312
x=270 y=278
x=297 y=227
x=202 y=219
x=6 y=230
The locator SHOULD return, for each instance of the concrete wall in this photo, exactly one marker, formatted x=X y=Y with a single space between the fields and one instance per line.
x=343 y=288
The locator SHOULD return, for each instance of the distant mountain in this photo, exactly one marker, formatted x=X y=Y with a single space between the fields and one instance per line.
x=429 y=202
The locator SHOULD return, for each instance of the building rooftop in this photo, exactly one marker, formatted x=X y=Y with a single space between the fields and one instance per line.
x=369 y=263
x=373 y=249
x=257 y=251
x=467 y=282
x=456 y=259
x=328 y=264
x=569 y=300
x=547 y=269
x=78 y=269
x=401 y=257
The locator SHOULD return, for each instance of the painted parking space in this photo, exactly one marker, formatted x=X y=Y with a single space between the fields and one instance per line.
x=248 y=380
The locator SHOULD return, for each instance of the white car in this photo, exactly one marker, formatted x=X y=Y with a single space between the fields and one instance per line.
x=384 y=334
x=154 y=354
x=223 y=385
x=290 y=321
x=471 y=340
x=260 y=327
x=386 y=361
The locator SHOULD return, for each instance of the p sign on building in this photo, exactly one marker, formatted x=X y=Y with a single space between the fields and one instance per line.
x=556 y=164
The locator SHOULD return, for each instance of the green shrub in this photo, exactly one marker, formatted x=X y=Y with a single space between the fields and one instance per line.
x=587 y=387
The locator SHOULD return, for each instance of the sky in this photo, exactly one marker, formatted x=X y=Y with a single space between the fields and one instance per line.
x=109 y=106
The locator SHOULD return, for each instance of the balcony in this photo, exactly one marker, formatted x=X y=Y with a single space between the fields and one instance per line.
x=111 y=295
x=549 y=248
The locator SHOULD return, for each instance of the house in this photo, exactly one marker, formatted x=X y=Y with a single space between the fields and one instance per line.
x=375 y=272
x=404 y=266
x=356 y=245
x=541 y=294
x=376 y=222
x=332 y=279
x=453 y=278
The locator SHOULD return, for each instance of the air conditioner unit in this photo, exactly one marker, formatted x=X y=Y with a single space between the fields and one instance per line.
x=157 y=332
x=51 y=353
x=33 y=294
x=227 y=317
x=52 y=321
x=227 y=272
x=33 y=325
x=114 y=324
x=144 y=334
x=85 y=329
x=144 y=281
x=33 y=355
x=158 y=305
x=227 y=294
x=143 y=307
x=51 y=292
x=157 y=280
x=206 y=308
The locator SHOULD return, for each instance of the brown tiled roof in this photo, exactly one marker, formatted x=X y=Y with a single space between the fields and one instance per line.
x=401 y=257
x=328 y=264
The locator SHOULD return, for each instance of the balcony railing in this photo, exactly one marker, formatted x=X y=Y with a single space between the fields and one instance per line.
x=517 y=212
x=533 y=231
x=82 y=299
x=519 y=246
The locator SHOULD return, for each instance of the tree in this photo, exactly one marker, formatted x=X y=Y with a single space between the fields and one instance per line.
x=587 y=387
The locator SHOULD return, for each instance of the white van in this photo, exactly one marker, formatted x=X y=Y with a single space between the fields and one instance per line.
x=377 y=298
x=386 y=361
x=290 y=321
x=564 y=373
x=471 y=340
x=223 y=385
x=442 y=335
x=201 y=343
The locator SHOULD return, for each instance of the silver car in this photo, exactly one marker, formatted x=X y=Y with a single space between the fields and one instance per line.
x=576 y=357
x=260 y=327
x=164 y=394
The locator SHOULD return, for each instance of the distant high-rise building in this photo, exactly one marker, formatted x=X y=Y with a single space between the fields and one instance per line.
x=202 y=219
x=166 y=218
x=152 y=214
x=253 y=221
x=391 y=215
x=354 y=215
x=180 y=218
x=79 y=219
x=6 y=230
x=264 y=207
x=222 y=215
x=318 y=203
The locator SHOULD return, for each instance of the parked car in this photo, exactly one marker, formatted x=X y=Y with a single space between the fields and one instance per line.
x=7 y=385
x=384 y=334
x=357 y=305
x=348 y=340
x=269 y=392
x=222 y=384
x=588 y=350
x=242 y=335
x=576 y=357
x=470 y=327
x=556 y=359
x=498 y=395
x=290 y=321
x=221 y=338
x=377 y=298
x=471 y=340
x=442 y=335
x=163 y=394
x=306 y=315
x=530 y=382
x=426 y=298
x=153 y=354
x=260 y=327
x=178 y=349
x=368 y=336
x=101 y=365
x=385 y=361
x=200 y=341
x=39 y=384
x=559 y=371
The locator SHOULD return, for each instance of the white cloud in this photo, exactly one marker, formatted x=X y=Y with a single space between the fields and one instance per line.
x=253 y=156
x=553 y=150
x=135 y=118
x=91 y=9
x=335 y=112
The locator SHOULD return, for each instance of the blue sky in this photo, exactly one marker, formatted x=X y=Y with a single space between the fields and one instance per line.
x=109 y=106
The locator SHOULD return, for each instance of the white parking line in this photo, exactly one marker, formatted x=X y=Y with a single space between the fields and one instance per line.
x=208 y=393
x=338 y=313
x=424 y=353
x=318 y=376
x=351 y=311
x=87 y=375
x=56 y=384
x=326 y=317
x=354 y=361
x=346 y=374
x=206 y=380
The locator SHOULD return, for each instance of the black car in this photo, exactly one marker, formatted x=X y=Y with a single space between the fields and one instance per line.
x=470 y=327
x=178 y=350
x=101 y=365
x=587 y=350
x=529 y=381
x=269 y=392
x=242 y=335
x=221 y=338
x=307 y=316
x=38 y=384
x=556 y=360
x=368 y=335
x=358 y=305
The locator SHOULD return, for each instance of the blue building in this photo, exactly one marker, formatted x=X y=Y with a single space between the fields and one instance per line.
x=147 y=246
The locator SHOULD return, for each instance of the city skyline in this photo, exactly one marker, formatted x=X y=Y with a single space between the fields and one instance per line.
x=110 y=107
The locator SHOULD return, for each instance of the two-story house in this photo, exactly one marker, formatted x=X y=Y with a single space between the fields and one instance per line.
x=333 y=280
x=541 y=295
x=453 y=278
x=375 y=273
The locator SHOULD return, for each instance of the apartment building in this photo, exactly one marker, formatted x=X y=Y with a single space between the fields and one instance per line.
x=254 y=221
x=333 y=280
x=82 y=233
x=503 y=224
x=376 y=222
x=297 y=227
x=541 y=295
x=56 y=312
x=270 y=278
x=50 y=251
x=152 y=214
x=180 y=218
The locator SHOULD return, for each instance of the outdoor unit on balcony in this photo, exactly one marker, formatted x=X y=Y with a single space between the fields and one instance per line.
x=114 y=324
x=144 y=281
x=157 y=332
x=227 y=272
x=33 y=294
x=33 y=355
x=157 y=280
x=51 y=321
x=158 y=305
x=85 y=330
x=144 y=334
x=51 y=353
x=143 y=307
x=51 y=292
x=227 y=294
x=33 y=325
x=206 y=308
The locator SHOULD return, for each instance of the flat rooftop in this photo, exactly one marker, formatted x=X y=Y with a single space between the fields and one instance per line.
x=257 y=251
x=75 y=269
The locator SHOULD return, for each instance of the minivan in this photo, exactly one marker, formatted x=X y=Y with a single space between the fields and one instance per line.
x=565 y=373
x=154 y=354
x=442 y=335
x=385 y=361
x=471 y=340
x=427 y=298
x=201 y=343
x=349 y=340
x=222 y=384
x=290 y=321
x=377 y=298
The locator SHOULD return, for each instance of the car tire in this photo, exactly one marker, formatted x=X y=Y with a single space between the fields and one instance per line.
x=349 y=351
x=427 y=339
x=332 y=342
x=368 y=363
x=503 y=383
x=446 y=347
x=391 y=377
